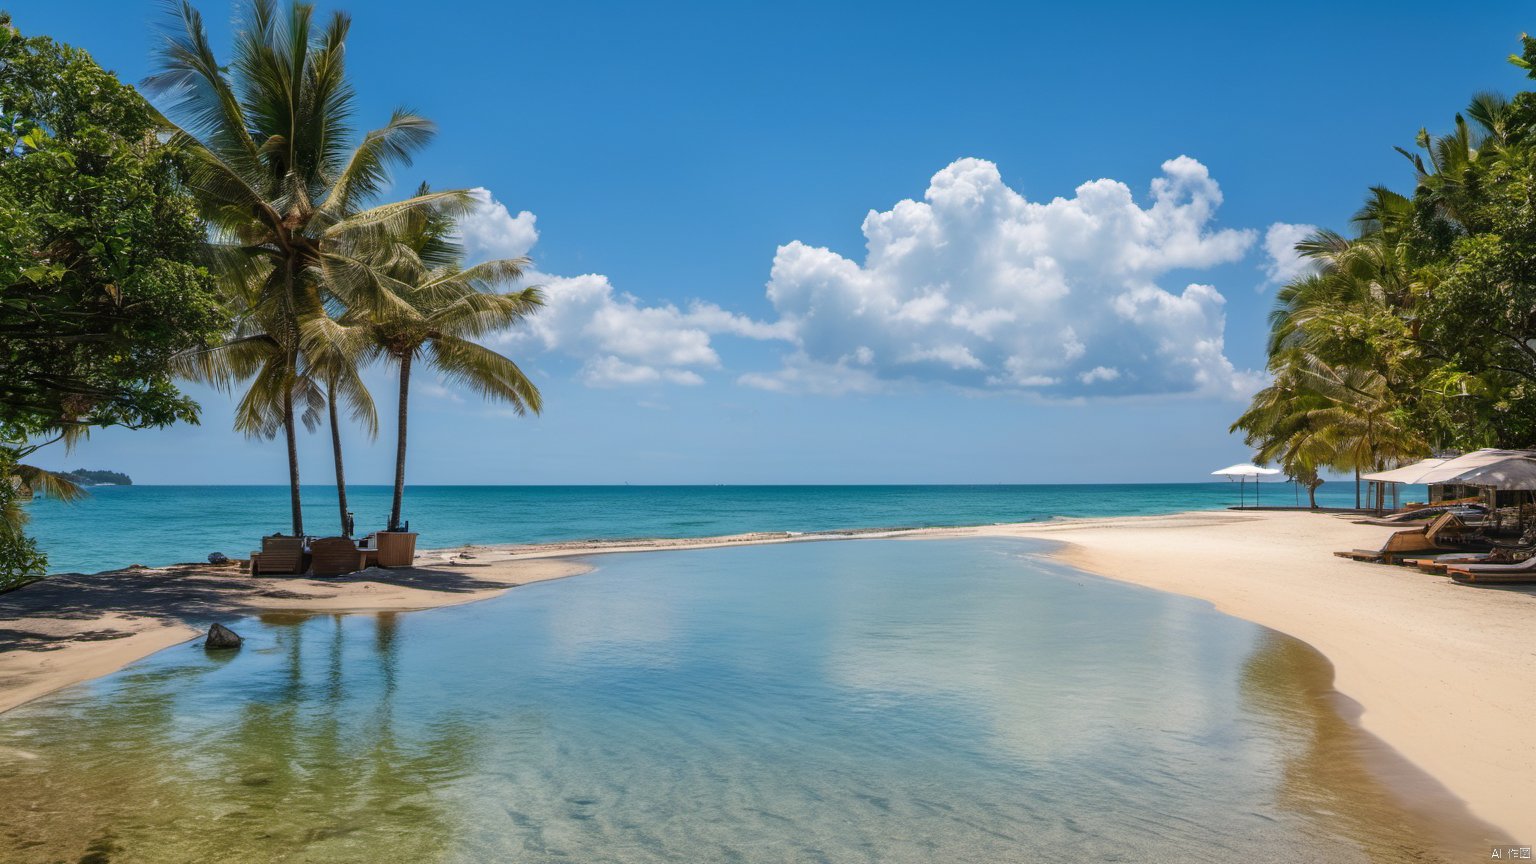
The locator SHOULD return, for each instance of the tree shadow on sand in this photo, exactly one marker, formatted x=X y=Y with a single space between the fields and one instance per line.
x=195 y=595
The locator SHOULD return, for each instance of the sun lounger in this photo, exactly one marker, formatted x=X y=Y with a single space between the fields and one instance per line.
x=1495 y=574
x=333 y=556
x=1412 y=543
x=280 y=554
x=1438 y=564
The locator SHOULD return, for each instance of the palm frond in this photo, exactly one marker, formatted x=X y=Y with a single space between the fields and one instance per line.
x=484 y=371
x=49 y=483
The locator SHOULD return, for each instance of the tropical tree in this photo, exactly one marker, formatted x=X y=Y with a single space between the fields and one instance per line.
x=447 y=307
x=268 y=140
x=1279 y=425
x=252 y=355
x=101 y=276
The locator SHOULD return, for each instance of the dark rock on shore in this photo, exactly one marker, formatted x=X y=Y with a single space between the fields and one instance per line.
x=220 y=636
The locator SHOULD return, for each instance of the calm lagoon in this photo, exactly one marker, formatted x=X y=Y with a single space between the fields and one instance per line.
x=881 y=700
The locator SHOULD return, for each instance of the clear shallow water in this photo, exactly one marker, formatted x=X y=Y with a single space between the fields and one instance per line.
x=158 y=525
x=890 y=701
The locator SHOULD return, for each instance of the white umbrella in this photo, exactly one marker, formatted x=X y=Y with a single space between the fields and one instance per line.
x=1499 y=469
x=1411 y=474
x=1242 y=471
x=1508 y=470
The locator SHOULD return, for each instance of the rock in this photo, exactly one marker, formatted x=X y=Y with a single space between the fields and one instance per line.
x=220 y=636
x=218 y=558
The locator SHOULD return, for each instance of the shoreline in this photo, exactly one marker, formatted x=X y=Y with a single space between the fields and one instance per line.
x=71 y=628
x=1387 y=632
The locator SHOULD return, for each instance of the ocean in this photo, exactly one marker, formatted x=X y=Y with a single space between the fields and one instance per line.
x=159 y=525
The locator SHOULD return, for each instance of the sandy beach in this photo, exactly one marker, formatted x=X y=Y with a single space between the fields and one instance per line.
x=1441 y=673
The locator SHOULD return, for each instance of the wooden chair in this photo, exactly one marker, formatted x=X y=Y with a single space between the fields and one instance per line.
x=333 y=556
x=1520 y=573
x=280 y=554
x=1415 y=542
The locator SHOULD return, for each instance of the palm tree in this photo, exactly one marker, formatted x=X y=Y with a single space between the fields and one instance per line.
x=1448 y=168
x=266 y=140
x=1279 y=425
x=320 y=380
x=447 y=307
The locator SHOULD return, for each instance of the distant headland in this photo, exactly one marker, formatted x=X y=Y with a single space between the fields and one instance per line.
x=86 y=477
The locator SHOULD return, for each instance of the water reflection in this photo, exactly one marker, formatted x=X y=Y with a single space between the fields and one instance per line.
x=1331 y=772
x=313 y=757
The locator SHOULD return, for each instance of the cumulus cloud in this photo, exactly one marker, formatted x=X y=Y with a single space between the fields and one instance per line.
x=978 y=287
x=622 y=340
x=625 y=341
x=973 y=286
x=1283 y=264
x=490 y=231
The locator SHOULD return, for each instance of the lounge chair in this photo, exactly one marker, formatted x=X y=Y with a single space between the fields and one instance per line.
x=1495 y=574
x=1437 y=565
x=333 y=556
x=1426 y=514
x=280 y=554
x=1414 y=542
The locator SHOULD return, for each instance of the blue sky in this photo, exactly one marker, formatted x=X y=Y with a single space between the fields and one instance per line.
x=696 y=180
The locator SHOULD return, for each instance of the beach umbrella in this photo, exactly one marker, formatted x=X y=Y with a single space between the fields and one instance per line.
x=1411 y=474
x=1502 y=470
x=1241 y=472
x=1505 y=474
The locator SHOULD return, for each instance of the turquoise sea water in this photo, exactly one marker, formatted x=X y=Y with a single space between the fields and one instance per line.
x=158 y=525
x=870 y=701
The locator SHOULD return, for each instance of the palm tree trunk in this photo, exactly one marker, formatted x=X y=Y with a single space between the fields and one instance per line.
x=289 y=431
x=405 y=393
x=341 y=474
x=293 y=463
x=1312 y=495
x=1357 y=488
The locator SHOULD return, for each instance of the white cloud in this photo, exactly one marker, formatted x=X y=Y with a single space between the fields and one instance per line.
x=490 y=231
x=624 y=341
x=974 y=286
x=436 y=390
x=621 y=340
x=1284 y=264
x=802 y=375
x=1099 y=373
x=610 y=371
x=978 y=287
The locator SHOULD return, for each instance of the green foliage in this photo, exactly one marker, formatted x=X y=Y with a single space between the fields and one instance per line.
x=1427 y=314
x=283 y=183
x=100 y=280
x=20 y=559
x=447 y=306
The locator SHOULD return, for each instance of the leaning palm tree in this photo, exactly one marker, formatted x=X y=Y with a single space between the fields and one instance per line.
x=447 y=307
x=267 y=139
